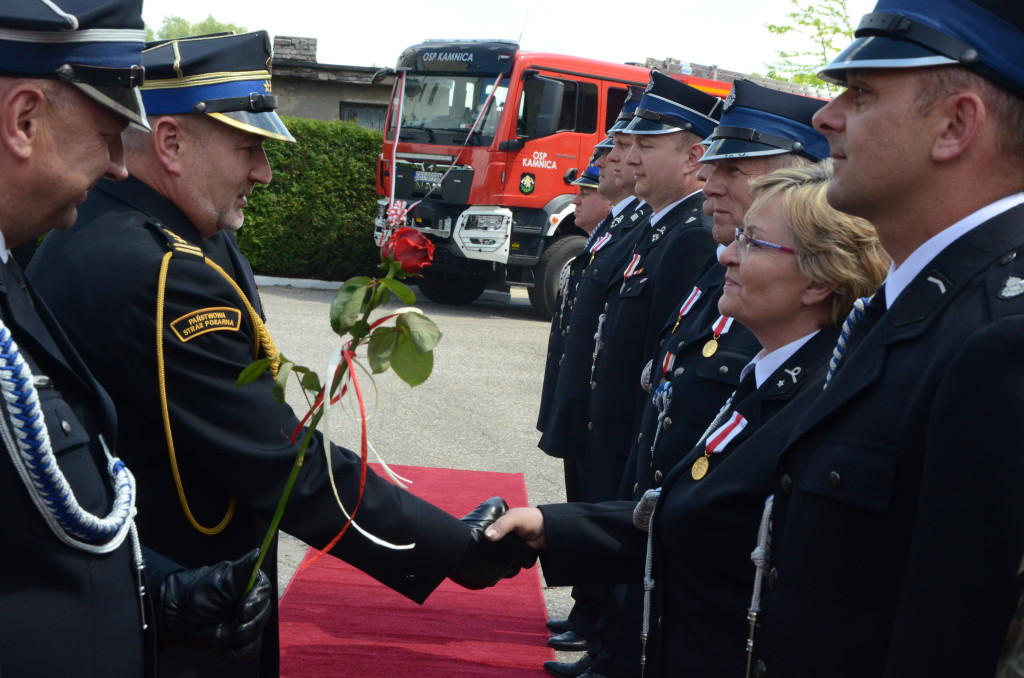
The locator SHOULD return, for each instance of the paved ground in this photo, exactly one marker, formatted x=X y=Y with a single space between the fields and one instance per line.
x=477 y=411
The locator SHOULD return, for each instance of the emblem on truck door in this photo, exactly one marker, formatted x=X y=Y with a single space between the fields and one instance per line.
x=527 y=182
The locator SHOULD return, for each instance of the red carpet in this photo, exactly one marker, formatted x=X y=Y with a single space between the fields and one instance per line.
x=337 y=621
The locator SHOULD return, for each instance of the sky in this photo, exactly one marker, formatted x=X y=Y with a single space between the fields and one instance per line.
x=726 y=33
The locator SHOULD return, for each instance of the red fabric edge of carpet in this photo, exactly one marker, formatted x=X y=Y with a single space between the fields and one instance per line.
x=337 y=621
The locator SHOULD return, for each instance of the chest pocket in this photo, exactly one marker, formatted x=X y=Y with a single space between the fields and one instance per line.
x=65 y=430
x=846 y=491
x=600 y=272
x=634 y=286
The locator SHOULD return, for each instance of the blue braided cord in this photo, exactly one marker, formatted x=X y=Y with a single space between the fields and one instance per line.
x=37 y=455
x=856 y=313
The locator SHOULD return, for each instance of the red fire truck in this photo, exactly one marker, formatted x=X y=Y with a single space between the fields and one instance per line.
x=481 y=144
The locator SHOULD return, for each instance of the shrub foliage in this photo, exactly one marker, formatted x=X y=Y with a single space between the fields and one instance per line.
x=315 y=219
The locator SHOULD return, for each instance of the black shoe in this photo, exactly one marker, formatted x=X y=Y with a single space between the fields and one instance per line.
x=569 y=669
x=569 y=641
x=557 y=625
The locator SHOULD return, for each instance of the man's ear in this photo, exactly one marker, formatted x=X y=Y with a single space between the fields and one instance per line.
x=23 y=111
x=695 y=153
x=169 y=143
x=963 y=117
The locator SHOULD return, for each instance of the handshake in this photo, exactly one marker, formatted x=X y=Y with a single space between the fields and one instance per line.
x=486 y=562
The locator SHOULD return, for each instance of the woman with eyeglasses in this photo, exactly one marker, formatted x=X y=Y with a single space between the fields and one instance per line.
x=792 y=276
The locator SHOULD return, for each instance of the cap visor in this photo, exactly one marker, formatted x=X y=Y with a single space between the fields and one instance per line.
x=721 y=149
x=876 y=51
x=124 y=101
x=266 y=123
x=644 y=126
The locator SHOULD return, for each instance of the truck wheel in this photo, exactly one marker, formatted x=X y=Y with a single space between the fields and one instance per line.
x=456 y=289
x=547 y=273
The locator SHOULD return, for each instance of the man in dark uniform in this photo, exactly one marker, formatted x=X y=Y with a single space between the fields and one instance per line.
x=564 y=431
x=701 y=352
x=73 y=600
x=898 y=522
x=217 y=462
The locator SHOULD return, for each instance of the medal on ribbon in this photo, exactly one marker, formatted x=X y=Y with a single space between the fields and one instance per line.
x=633 y=268
x=716 y=442
x=687 y=305
x=598 y=244
x=721 y=326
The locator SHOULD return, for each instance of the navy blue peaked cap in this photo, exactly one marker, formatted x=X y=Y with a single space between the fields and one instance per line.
x=986 y=36
x=761 y=121
x=95 y=45
x=223 y=75
x=669 y=105
x=633 y=97
x=590 y=176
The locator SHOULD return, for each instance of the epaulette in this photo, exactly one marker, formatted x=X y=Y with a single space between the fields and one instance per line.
x=174 y=242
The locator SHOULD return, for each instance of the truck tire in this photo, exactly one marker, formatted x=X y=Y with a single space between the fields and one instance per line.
x=454 y=289
x=547 y=273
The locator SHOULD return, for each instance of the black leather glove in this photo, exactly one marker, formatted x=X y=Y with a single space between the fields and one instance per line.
x=485 y=562
x=205 y=608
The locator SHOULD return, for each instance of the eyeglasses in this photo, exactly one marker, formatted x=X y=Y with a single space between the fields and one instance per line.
x=744 y=244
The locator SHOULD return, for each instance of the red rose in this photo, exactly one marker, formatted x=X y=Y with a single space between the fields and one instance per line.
x=410 y=248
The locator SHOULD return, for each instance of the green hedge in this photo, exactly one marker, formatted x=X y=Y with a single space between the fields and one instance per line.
x=315 y=219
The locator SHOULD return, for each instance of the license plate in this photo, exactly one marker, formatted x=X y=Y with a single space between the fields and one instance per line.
x=427 y=177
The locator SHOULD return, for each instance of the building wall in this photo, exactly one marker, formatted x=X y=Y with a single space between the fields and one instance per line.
x=309 y=89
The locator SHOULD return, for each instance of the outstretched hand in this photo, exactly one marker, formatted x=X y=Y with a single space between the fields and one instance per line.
x=485 y=563
x=526 y=523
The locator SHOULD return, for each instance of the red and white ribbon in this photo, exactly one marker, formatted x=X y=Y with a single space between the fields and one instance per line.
x=721 y=326
x=633 y=268
x=600 y=242
x=724 y=434
x=668 y=363
x=690 y=301
x=396 y=213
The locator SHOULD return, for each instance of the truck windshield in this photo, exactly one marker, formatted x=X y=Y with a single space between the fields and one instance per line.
x=441 y=109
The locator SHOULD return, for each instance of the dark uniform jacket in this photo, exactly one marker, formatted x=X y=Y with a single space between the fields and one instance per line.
x=63 y=612
x=564 y=303
x=899 y=510
x=704 y=533
x=565 y=432
x=101 y=279
x=699 y=384
x=669 y=257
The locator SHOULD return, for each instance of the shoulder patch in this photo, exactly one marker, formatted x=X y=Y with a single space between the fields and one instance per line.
x=175 y=242
x=203 y=320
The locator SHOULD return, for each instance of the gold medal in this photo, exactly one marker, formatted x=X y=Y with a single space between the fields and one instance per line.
x=700 y=468
x=710 y=347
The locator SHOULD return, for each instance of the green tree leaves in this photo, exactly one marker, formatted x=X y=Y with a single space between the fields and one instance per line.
x=826 y=30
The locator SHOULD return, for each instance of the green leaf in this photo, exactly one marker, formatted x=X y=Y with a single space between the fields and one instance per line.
x=253 y=371
x=409 y=363
x=310 y=381
x=359 y=330
x=421 y=330
x=401 y=290
x=348 y=304
x=283 y=372
x=381 y=348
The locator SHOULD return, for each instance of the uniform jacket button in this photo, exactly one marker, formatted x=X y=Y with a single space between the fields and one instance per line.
x=760 y=669
x=661 y=344
x=773 y=578
x=636 y=487
x=590 y=426
x=667 y=423
x=679 y=372
x=564 y=331
x=786 y=483
x=834 y=480
x=411 y=578
x=561 y=360
x=606 y=305
x=724 y=369
x=640 y=438
x=593 y=386
x=66 y=427
x=658 y=477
